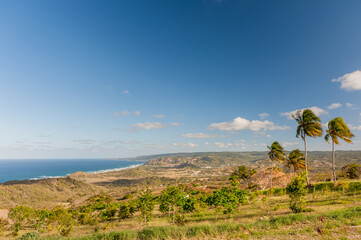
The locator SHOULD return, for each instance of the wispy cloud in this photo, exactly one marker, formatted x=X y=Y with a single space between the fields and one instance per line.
x=334 y=106
x=350 y=105
x=263 y=115
x=126 y=113
x=156 y=146
x=240 y=123
x=350 y=81
x=354 y=127
x=185 y=145
x=317 y=110
x=290 y=144
x=150 y=125
x=201 y=135
x=126 y=92
x=160 y=116
x=84 y=141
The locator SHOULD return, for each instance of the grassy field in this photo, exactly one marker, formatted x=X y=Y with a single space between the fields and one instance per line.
x=331 y=215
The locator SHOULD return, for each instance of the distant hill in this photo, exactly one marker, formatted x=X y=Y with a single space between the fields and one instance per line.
x=318 y=160
x=45 y=192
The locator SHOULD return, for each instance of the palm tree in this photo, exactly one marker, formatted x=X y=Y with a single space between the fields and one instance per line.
x=337 y=128
x=295 y=160
x=276 y=153
x=308 y=125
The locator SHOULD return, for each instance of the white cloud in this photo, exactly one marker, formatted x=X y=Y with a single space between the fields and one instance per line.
x=147 y=126
x=84 y=141
x=175 y=124
x=126 y=92
x=260 y=144
x=201 y=135
x=263 y=115
x=115 y=114
x=289 y=144
x=334 y=106
x=157 y=146
x=150 y=125
x=268 y=135
x=350 y=105
x=125 y=113
x=188 y=145
x=206 y=143
x=318 y=111
x=240 y=123
x=158 y=115
x=350 y=81
x=354 y=127
x=223 y=145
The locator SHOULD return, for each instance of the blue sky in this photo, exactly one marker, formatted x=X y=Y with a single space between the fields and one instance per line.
x=82 y=79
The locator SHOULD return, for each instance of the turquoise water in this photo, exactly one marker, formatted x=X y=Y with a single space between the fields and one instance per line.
x=23 y=169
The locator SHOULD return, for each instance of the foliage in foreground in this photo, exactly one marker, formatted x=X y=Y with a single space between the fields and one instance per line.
x=297 y=191
x=323 y=224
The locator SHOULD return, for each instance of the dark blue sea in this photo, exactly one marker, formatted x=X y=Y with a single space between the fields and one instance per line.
x=25 y=169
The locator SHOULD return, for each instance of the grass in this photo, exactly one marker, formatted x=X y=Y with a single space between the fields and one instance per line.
x=332 y=214
x=333 y=225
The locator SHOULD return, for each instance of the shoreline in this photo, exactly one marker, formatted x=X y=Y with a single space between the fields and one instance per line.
x=64 y=176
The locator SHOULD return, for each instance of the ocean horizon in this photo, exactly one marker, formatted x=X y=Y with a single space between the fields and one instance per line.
x=32 y=169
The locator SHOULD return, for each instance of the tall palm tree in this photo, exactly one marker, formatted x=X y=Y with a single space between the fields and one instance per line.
x=308 y=125
x=337 y=128
x=276 y=153
x=295 y=160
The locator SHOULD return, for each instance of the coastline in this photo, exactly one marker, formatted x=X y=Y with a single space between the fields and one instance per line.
x=92 y=172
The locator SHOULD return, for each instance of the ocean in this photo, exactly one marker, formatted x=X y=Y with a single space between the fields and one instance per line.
x=24 y=169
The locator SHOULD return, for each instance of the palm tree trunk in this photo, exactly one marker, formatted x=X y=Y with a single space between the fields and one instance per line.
x=271 y=176
x=333 y=161
x=294 y=172
x=304 y=139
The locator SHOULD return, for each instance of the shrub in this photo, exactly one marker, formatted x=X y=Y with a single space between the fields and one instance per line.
x=297 y=192
x=126 y=210
x=179 y=220
x=29 y=236
x=355 y=186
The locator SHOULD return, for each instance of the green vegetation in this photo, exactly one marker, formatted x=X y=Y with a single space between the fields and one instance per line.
x=308 y=125
x=204 y=196
x=276 y=153
x=296 y=161
x=297 y=192
x=337 y=128
x=257 y=213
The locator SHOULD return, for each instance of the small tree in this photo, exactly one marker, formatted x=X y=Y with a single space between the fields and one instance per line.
x=229 y=199
x=352 y=171
x=171 y=199
x=276 y=153
x=308 y=125
x=337 y=129
x=296 y=161
x=145 y=204
x=297 y=191
x=242 y=174
x=126 y=210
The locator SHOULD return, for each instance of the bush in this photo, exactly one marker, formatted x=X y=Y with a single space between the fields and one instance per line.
x=179 y=220
x=126 y=210
x=29 y=236
x=355 y=186
x=297 y=192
